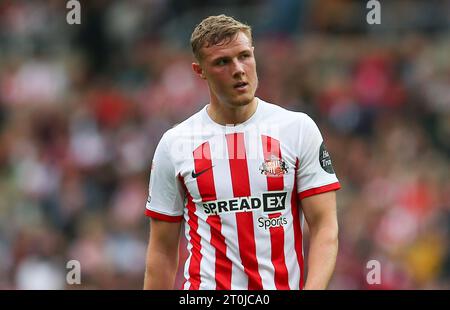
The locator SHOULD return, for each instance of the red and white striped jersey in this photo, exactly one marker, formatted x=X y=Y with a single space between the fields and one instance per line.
x=238 y=189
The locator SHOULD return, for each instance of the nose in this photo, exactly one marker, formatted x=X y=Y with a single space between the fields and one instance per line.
x=238 y=68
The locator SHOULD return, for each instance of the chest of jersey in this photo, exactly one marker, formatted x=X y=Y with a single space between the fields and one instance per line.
x=240 y=172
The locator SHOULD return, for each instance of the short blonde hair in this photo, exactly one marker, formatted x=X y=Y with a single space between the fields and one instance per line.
x=216 y=29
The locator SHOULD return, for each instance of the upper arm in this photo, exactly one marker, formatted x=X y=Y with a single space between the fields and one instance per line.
x=164 y=237
x=316 y=179
x=315 y=174
x=165 y=203
x=320 y=211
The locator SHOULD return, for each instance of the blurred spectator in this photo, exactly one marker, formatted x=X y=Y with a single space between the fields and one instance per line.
x=82 y=108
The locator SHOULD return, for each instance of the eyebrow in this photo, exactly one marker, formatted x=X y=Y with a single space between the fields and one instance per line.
x=228 y=57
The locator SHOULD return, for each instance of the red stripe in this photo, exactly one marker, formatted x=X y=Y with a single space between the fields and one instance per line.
x=196 y=256
x=271 y=147
x=319 y=190
x=298 y=233
x=163 y=217
x=207 y=190
x=203 y=165
x=244 y=220
x=223 y=263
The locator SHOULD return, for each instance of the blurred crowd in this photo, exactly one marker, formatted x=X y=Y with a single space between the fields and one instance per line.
x=82 y=108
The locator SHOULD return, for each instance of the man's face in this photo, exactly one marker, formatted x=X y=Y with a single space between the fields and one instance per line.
x=230 y=71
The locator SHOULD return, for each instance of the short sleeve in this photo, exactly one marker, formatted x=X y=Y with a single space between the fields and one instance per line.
x=166 y=195
x=315 y=173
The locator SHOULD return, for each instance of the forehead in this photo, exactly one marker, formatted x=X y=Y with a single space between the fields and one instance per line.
x=239 y=43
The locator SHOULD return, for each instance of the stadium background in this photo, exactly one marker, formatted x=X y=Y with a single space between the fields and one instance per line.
x=82 y=108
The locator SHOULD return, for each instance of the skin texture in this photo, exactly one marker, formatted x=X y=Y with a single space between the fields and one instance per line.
x=162 y=255
x=320 y=214
x=222 y=66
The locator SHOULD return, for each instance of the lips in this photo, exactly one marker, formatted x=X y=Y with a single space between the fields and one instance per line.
x=240 y=84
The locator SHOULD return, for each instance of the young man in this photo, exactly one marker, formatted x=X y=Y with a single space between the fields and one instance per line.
x=242 y=173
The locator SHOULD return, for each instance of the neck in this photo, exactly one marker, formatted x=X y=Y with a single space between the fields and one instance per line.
x=226 y=115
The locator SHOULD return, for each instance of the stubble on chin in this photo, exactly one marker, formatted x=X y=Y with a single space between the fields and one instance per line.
x=240 y=102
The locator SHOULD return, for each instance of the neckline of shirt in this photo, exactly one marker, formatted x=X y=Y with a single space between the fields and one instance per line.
x=250 y=120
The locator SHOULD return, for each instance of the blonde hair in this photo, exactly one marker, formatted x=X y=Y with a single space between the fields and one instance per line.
x=216 y=29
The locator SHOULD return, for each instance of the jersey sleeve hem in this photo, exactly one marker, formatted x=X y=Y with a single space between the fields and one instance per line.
x=163 y=217
x=318 y=190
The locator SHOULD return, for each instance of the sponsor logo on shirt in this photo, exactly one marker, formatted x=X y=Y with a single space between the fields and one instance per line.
x=195 y=175
x=274 y=167
x=269 y=202
x=268 y=223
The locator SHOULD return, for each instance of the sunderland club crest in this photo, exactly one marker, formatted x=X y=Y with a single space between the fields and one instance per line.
x=274 y=167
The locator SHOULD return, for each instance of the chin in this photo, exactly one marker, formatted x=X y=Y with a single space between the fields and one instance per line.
x=242 y=100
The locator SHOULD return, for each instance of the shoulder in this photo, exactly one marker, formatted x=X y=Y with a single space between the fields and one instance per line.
x=181 y=129
x=278 y=114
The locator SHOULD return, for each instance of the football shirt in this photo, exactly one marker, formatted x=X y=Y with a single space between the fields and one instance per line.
x=238 y=189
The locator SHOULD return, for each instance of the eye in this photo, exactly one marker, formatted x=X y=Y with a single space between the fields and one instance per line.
x=245 y=56
x=222 y=62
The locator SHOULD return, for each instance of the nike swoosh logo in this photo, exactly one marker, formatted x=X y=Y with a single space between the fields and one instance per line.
x=195 y=175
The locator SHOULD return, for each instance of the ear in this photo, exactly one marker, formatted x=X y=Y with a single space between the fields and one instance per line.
x=198 y=70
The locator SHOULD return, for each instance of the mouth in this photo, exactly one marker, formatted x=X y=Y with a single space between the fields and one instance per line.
x=240 y=85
